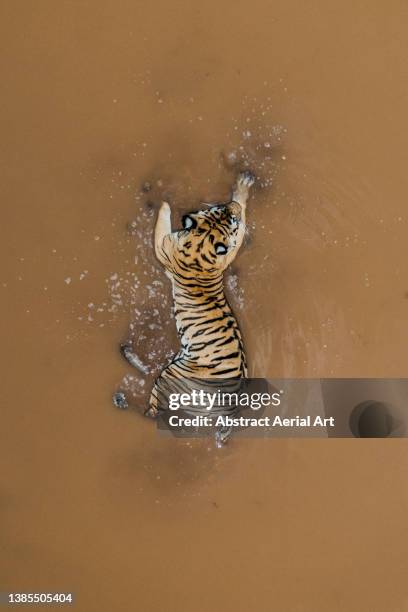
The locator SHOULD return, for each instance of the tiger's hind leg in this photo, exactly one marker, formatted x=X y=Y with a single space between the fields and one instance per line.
x=154 y=408
x=119 y=398
x=163 y=387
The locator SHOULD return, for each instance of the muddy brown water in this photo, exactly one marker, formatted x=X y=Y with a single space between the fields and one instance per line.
x=99 y=97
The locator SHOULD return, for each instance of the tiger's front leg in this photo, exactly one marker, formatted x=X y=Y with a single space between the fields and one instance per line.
x=241 y=188
x=161 y=230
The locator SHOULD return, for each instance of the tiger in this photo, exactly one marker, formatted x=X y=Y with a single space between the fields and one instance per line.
x=195 y=259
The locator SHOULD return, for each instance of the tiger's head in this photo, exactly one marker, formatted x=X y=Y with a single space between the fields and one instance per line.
x=209 y=239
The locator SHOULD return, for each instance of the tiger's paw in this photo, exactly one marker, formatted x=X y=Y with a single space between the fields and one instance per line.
x=241 y=190
x=245 y=180
x=165 y=209
x=120 y=401
x=132 y=358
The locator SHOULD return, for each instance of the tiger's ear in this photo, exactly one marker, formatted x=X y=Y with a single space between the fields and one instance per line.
x=235 y=209
x=188 y=222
